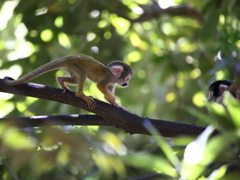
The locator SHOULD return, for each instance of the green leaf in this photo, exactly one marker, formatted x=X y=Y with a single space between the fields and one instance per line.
x=233 y=107
x=168 y=151
x=218 y=173
x=219 y=112
x=151 y=162
x=194 y=154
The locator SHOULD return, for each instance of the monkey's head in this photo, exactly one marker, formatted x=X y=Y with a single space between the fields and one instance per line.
x=217 y=88
x=122 y=71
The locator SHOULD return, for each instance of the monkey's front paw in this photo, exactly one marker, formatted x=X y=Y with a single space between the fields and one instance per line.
x=123 y=108
x=90 y=101
x=117 y=105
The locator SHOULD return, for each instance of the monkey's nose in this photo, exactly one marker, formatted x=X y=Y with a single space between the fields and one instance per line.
x=124 y=85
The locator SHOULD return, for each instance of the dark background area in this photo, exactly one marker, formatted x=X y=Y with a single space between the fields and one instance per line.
x=175 y=53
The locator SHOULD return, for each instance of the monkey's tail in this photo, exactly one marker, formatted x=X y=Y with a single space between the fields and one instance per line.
x=59 y=63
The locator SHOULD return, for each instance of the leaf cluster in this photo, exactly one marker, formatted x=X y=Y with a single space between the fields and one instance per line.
x=175 y=54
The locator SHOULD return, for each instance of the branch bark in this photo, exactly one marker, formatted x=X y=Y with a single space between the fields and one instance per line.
x=107 y=115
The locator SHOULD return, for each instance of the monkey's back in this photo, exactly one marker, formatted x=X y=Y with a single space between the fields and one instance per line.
x=234 y=88
x=95 y=70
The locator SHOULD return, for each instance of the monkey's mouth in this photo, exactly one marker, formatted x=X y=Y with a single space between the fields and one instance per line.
x=124 y=85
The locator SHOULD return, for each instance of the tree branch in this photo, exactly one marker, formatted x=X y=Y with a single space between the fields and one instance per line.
x=153 y=177
x=156 y=11
x=108 y=115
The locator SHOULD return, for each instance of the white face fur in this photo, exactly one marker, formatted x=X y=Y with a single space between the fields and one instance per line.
x=124 y=82
x=117 y=71
x=222 y=89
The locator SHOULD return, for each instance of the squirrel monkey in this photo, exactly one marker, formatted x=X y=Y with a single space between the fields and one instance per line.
x=81 y=67
x=217 y=89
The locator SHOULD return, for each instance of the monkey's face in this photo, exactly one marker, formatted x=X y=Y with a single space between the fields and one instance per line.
x=123 y=81
x=217 y=89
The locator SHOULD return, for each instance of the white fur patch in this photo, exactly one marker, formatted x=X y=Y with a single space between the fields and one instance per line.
x=222 y=88
x=118 y=67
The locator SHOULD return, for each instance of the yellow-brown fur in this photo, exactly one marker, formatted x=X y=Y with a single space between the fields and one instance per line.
x=81 y=67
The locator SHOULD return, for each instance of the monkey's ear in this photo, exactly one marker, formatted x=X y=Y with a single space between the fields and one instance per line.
x=117 y=70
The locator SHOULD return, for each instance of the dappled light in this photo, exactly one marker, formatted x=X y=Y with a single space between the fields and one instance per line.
x=176 y=49
x=46 y=35
x=64 y=40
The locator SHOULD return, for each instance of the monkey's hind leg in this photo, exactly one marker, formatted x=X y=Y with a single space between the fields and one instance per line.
x=63 y=80
x=81 y=79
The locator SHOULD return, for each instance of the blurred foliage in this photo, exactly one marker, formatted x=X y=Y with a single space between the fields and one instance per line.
x=174 y=59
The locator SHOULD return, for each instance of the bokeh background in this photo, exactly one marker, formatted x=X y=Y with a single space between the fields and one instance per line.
x=174 y=58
